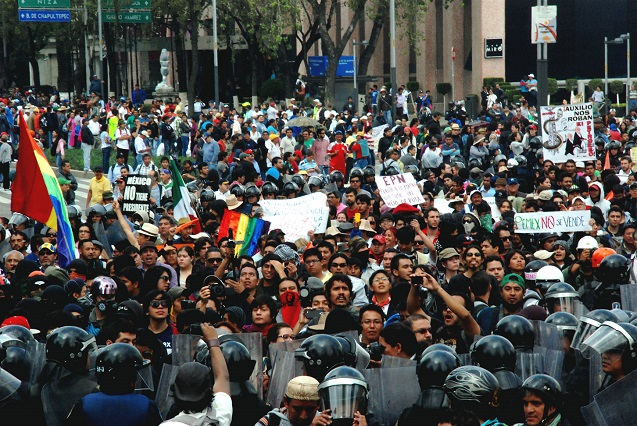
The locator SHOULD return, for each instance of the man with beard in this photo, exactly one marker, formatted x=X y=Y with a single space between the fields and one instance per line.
x=472 y=259
x=512 y=290
x=350 y=201
x=19 y=242
x=421 y=326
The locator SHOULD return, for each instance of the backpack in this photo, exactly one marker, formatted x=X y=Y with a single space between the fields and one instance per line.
x=43 y=122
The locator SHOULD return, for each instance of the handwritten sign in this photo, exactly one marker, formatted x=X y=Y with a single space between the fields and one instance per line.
x=399 y=189
x=136 y=194
x=537 y=223
x=290 y=213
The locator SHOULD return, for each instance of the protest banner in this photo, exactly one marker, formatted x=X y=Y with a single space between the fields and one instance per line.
x=568 y=132
x=541 y=222
x=398 y=189
x=298 y=215
x=136 y=194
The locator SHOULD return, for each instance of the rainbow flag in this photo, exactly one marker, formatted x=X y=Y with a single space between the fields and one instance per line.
x=36 y=193
x=246 y=231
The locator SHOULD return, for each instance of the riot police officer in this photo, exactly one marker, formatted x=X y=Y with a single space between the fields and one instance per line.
x=542 y=397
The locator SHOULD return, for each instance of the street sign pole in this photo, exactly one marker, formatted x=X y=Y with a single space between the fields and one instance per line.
x=100 y=63
x=453 y=63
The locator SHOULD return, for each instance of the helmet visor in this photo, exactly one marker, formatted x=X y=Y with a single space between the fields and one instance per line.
x=564 y=302
x=344 y=398
x=585 y=328
x=605 y=339
x=8 y=384
x=144 y=379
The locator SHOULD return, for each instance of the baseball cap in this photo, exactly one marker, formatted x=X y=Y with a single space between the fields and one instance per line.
x=148 y=244
x=448 y=253
x=47 y=246
x=513 y=278
x=64 y=181
x=512 y=181
x=380 y=239
x=463 y=240
x=249 y=151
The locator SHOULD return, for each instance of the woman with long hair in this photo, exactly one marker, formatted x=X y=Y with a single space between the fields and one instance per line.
x=156 y=278
x=58 y=142
x=185 y=266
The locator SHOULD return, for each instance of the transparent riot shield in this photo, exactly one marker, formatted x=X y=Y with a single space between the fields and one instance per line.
x=465 y=359
x=596 y=376
x=391 y=390
x=164 y=396
x=618 y=402
x=8 y=385
x=253 y=342
x=629 y=296
x=144 y=380
x=37 y=354
x=579 y=309
x=396 y=362
x=552 y=362
x=593 y=415
x=184 y=348
x=285 y=368
x=548 y=335
x=528 y=364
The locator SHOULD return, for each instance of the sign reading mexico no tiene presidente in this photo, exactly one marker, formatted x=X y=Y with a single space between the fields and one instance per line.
x=544 y=222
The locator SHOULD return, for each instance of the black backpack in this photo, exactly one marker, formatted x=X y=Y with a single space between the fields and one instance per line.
x=53 y=148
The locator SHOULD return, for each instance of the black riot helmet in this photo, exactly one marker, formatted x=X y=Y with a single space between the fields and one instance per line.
x=614 y=337
x=116 y=368
x=561 y=295
x=356 y=172
x=369 y=171
x=298 y=180
x=472 y=388
x=73 y=212
x=237 y=190
x=252 y=191
x=545 y=387
x=269 y=188
x=315 y=181
x=439 y=347
x=17 y=361
x=337 y=176
x=517 y=330
x=17 y=332
x=70 y=347
x=237 y=356
x=614 y=269
x=493 y=353
x=589 y=323
x=564 y=321
x=290 y=188
x=530 y=271
x=320 y=353
x=434 y=367
x=207 y=195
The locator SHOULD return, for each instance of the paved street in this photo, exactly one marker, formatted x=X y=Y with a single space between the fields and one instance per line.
x=80 y=195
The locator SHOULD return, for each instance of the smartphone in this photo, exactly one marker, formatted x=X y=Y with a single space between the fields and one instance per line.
x=313 y=313
x=417 y=280
x=357 y=217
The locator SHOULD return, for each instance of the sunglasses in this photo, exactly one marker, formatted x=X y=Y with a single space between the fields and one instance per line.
x=165 y=277
x=505 y=238
x=419 y=243
x=159 y=304
x=339 y=265
x=214 y=260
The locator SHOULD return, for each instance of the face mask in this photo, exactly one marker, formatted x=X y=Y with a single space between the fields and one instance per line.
x=106 y=306
x=468 y=227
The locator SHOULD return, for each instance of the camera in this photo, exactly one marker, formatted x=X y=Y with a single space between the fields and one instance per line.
x=417 y=280
x=217 y=287
x=195 y=329
x=376 y=351
x=187 y=304
x=313 y=313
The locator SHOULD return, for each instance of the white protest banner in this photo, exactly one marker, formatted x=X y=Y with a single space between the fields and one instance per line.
x=377 y=132
x=398 y=189
x=495 y=212
x=294 y=228
x=568 y=132
x=537 y=223
x=136 y=195
x=312 y=206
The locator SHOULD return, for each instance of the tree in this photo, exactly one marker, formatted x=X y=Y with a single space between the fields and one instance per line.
x=596 y=82
x=551 y=89
x=571 y=85
x=443 y=89
x=616 y=87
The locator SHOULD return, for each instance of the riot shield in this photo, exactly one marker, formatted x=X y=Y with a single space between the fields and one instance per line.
x=37 y=353
x=184 y=348
x=8 y=385
x=391 y=390
x=253 y=342
x=596 y=376
x=528 y=364
x=618 y=401
x=285 y=368
x=629 y=296
x=465 y=359
x=164 y=396
x=552 y=362
x=548 y=336
x=592 y=414
x=396 y=362
x=579 y=309
x=144 y=380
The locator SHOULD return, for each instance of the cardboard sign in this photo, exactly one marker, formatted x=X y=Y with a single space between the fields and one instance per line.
x=309 y=211
x=568 y=133
x=399 y=189
x=136 y=194
x=543 y=222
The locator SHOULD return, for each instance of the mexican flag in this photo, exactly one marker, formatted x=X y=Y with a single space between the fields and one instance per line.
x=181 y=199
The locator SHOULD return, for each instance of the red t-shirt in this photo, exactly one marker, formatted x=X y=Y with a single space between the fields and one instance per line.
x=337 y=162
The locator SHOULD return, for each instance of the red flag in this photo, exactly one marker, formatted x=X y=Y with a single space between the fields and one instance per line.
x=607 y=161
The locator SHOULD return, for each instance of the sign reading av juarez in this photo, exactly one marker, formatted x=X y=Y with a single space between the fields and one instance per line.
x=537 y=223
x=136 y=194
x=126 y=4
x=398 y=189
x=127 y=17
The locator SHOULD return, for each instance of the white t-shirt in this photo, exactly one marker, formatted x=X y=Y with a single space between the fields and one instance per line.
x=219 y=413
x=140 y=145
x=123 y=143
